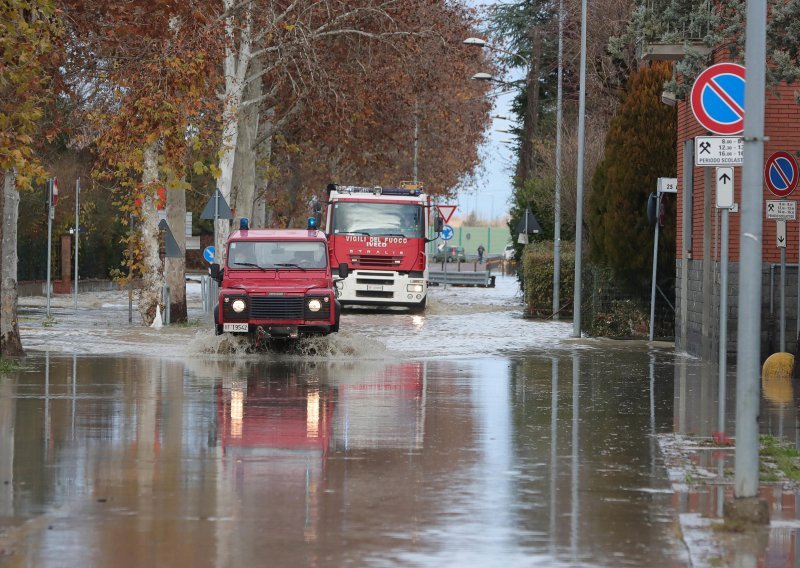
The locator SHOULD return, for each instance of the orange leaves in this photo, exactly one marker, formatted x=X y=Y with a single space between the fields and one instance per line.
x=26 y=32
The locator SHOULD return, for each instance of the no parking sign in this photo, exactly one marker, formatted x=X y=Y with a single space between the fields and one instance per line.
x=718 y=98
x=781 y=173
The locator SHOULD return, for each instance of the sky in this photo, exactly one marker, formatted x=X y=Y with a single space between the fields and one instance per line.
x=491 y=196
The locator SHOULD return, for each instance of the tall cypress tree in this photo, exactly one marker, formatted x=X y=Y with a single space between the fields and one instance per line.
x=640 y=148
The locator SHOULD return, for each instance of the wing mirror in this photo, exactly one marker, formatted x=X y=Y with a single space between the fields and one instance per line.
x=216 y=272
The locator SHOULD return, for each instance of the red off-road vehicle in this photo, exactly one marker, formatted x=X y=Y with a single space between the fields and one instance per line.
x=277 y=283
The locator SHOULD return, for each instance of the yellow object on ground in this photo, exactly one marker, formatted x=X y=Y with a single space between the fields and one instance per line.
x=776 y=378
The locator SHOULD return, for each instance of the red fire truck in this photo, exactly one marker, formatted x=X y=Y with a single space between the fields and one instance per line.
x=380 y=234
x=277 y=283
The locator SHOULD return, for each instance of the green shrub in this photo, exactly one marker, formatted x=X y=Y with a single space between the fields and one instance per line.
x=537 y=278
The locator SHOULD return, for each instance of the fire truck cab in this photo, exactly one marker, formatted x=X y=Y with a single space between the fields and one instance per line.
x=380 y=235
x=277 y=283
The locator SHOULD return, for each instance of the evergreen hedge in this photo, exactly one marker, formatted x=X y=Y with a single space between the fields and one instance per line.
x=537 y=278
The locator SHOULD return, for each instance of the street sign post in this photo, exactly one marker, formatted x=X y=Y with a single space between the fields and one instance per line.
x=718 y=151
x=781 y=173
x=217 y=208
x=447 y=233
x=780 y=242
x=446 y=212
x=724 y=177
x=208 y=254
x=718 y=98
x=784 y=209
x=667 y=185
x=780 y=233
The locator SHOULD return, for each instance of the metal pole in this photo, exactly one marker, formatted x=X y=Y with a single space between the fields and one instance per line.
x=49 y=237
x=576 y=317
x=748 y=338
x=783 y=300
x=216 y=221
x=446 y=253
x=557 y=201
x=723 y=322
x=77 y=235
x=655 y=269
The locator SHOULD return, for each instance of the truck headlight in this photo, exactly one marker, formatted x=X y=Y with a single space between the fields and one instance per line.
x=414 y=287
x=314 y=305
x=238 y=306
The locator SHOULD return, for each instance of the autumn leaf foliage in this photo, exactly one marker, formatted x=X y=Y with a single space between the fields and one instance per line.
x=28 y=29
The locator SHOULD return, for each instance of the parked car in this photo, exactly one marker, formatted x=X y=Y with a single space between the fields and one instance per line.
x=454 y=254
x=508 y=252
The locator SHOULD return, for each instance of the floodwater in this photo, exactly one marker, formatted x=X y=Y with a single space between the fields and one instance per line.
x=466 y=436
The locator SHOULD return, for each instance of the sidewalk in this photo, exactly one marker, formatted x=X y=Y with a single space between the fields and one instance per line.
x=701 y=474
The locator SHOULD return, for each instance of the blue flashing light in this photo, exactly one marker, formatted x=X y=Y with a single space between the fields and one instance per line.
x=312 y=223
x=244 y=224
x=401 y=191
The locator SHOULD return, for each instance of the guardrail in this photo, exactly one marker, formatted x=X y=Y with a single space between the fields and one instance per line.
x=482 y=279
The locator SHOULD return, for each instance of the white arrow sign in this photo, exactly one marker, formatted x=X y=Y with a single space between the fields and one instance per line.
x=780 y=233
x=724 y=178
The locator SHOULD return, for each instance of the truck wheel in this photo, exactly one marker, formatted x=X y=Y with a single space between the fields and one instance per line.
x=421 y=306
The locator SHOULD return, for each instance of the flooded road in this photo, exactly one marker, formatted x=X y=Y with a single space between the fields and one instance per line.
x=464 y=437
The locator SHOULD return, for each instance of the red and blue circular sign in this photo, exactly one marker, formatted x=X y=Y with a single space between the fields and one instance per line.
x=781 y=173
x=718 y=98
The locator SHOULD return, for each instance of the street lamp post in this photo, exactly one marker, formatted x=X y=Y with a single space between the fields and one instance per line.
x=557 y=196
x=576 y=311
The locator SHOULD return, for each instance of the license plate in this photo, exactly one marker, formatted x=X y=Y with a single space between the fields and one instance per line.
x=235 y=327
x=376 y=287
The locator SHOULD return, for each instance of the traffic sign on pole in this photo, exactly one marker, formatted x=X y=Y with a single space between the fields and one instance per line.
x=717 y=98
x=780 y=233
x=208 y=254
x=718 y=151
x=446 y=211
x=724 y=178
x=447 y=232
x=785 y=209
x=781 y=173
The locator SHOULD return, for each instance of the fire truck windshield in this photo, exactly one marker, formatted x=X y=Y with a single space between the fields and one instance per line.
x=378 y=219
x=246 y=255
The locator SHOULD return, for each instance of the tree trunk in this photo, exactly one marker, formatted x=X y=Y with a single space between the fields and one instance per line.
x=10 y=341
x=176 y=267
x=528 y=153
x=260 y=217
x=152 y=277
x=235 y=65
x=244 y=166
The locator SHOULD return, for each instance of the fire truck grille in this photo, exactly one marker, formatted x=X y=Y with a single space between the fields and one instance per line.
x=277 y=307
x=381 y=281
x=375 y=261
x=373 y=294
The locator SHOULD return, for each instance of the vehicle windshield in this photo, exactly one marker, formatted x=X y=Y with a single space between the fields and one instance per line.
x=378 y=219
x=247 y=255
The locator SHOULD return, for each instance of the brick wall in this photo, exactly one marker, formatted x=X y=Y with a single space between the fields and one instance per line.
x=701 y=309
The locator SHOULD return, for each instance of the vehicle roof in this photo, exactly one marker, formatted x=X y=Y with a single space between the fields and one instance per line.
x=367 y=197
x=277 y=234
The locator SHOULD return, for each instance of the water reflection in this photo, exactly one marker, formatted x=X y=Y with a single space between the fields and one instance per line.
x=697 y=401
x=538 y=458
